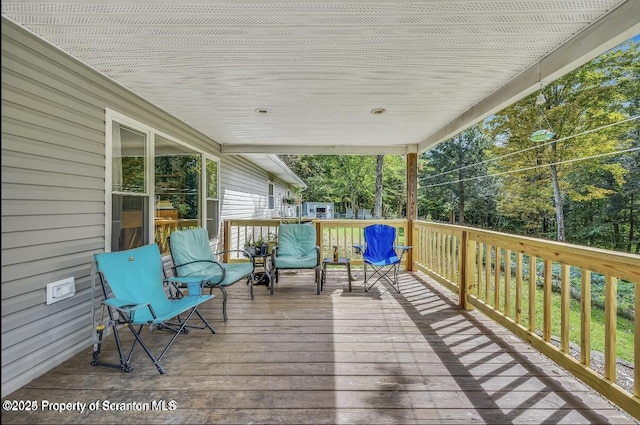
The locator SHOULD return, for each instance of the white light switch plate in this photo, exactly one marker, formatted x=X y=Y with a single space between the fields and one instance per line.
x=60 y=290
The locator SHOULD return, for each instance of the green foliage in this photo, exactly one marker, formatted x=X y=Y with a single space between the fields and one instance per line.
x=597 y=94
x=574 y=187
x=178 y=180
x=468 y=195
x=349 y=181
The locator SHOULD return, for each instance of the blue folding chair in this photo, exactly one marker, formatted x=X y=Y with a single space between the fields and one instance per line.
x=381 y=254
x=195 y=263
x=136 y=294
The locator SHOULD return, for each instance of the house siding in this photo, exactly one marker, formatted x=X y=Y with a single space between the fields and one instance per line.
x=53 y=195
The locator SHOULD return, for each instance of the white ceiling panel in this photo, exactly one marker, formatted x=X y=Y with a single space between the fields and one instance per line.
x=319 y=69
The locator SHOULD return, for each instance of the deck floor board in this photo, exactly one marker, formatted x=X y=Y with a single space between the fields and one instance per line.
x=340 y=357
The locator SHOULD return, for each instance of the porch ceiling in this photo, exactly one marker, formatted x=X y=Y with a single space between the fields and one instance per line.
x=319 y=69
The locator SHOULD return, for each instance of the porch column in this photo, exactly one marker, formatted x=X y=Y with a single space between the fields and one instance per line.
x=412 y=203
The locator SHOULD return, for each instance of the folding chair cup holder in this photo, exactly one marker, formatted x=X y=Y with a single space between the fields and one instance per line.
x=381 y=255
x=135 y=294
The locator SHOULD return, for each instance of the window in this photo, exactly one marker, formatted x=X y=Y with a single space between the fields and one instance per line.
x=272 y=203
x=177 y=189
x=182 y=194
x=129 y=190
x=212 y=202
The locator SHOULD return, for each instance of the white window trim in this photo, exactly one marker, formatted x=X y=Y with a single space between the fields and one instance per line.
x=151 y=133
x=204 y=184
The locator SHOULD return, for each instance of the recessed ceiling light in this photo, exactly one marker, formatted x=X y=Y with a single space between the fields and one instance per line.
x=378 y=111
x=262 y=111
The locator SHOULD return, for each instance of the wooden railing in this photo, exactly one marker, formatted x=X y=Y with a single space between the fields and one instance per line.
x=346 y=233
x=341 y=233
x=511 y=279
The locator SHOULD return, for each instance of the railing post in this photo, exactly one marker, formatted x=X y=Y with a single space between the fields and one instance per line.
x=467 y=253
x=319 y=238
x=412 y=203
x=226 y=242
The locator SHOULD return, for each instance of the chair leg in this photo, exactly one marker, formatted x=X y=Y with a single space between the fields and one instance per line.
x=206 y=323
x=318 y=283
x=175 y=336
x=365 y=278
x=224 y=302
x=251 y=285
x=383 y=273
x=155 y=361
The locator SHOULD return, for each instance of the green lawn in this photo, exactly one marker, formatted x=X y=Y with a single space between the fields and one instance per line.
x=625 y=327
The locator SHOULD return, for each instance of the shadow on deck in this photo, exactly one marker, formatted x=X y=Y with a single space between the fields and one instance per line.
x=340 y=357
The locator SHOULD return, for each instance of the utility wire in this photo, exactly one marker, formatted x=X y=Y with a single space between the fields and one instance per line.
x=530 y=148
x=534 y=167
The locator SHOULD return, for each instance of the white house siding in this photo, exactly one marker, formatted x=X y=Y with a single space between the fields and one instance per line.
x=245 y=192
x=53 y=217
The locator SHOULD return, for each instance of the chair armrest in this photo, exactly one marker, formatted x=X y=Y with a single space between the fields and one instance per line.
x=244 y=252
x=359 y=248
x=201 y=275
x=404 y=249
x=318 y=255
x=127 y=307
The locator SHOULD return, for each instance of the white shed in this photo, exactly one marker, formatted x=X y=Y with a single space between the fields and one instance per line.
x=317 y=209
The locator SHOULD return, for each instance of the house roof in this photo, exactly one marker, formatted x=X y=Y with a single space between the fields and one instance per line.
x=276 y=167
x=310 y=77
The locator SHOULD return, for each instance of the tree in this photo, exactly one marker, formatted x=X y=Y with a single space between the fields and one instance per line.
x=592 y=96
x=351 y=180
x=455 y=171
x=377 y=209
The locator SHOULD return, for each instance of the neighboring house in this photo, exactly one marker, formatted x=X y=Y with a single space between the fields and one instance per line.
x=89 y=166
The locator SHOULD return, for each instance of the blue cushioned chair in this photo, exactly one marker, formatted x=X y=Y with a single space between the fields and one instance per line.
x=381 y=254
x=297 y=249
x=135 y=294
x=194 y=263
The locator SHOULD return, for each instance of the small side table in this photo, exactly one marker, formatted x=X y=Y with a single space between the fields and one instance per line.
x=262 y=262
x=342 y=261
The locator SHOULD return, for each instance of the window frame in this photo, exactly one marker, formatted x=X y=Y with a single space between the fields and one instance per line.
x=149 y=194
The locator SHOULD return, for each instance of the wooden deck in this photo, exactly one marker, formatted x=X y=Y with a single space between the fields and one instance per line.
x=340 y=357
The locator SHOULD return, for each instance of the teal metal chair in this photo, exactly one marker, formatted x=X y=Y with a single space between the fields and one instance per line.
x=136 y=294
x=194 y=263
x=297 y=249
x=381 y=254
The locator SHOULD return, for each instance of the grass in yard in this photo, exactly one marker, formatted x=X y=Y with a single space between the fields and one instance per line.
x=624 y=326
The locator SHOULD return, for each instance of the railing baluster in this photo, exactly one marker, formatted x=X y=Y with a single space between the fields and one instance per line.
x=546 y=302
x=565 y=308
x=610 y=315
x=519 y=288
x=507 y=283
x=496 y=276
x=480 y=269
x=487 y=272
x=532 y=293
x=585 y=319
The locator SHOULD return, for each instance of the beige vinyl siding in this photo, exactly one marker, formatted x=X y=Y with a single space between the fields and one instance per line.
x=53 y=195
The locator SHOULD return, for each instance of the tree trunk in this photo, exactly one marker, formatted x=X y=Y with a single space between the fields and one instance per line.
x=377 y=208
x=632 y=230
x=461 y=201
x=557 y=196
